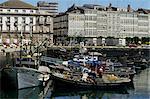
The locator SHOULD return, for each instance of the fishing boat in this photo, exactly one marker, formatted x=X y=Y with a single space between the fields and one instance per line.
x=64 y=77
x=20 y=77
x=107 y=67
x=119 y=69
x=27 y=71
x=28 y=74
x=63 y=81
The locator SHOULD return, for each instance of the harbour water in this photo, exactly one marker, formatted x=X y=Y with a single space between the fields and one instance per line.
x=140 y=90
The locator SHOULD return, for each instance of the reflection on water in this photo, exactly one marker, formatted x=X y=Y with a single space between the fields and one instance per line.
x=34 y=93
x=141 y=91
x=142 y=84
x=90 y=94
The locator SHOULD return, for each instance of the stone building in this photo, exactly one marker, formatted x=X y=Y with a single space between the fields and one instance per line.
x=94 y=21
x=18 y=17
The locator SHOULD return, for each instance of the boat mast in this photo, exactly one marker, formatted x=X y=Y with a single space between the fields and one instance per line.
x=21 y=35
x=31 y=28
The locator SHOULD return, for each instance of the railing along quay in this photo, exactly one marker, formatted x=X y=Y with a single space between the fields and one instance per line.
x=107 y=47
x=15 y=49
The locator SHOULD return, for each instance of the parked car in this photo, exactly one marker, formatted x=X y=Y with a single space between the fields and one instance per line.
x=13 y=45
x=146 y=46
x=132 y=45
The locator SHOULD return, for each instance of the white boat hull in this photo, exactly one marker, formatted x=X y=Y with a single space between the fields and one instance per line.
x=28 y=80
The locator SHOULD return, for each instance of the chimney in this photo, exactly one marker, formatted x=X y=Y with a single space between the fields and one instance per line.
x=129 y=8
x=110 y=5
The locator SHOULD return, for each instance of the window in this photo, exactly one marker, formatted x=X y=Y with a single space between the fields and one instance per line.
x=23 y=28
x=0 y=27
x=8 y=27
x=31 y=20
x=31 y=28
x=0 y=19
x=16 y=19
x=16 y=28
x=8 y=10
x=24 y=10
x=41 y=20
x=31 y=11
x=23 y=20
x=8 y=19
x=16 y=10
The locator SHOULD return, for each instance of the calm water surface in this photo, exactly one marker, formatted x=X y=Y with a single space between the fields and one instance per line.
x=141 y=90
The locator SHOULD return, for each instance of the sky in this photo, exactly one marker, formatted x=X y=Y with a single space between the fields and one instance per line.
x=64 y=4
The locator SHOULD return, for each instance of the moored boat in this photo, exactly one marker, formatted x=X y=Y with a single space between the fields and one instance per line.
x=100 y=83
x=24 y=75
x=20 y=77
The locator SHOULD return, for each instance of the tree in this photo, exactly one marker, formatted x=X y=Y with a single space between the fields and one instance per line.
x=136 y=40
x=145 y=40
x=80 y=39
x=129 y=40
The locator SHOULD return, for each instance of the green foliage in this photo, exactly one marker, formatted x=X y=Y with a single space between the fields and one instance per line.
x=145 y=40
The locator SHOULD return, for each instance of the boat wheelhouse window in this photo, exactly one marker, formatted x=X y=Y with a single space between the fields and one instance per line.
x=25 y=59
x=81 y=58
x=52 y=64
x=18 y=59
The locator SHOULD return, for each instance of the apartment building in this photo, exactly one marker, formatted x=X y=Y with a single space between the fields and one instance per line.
x=143 y=22
x=18 y=17
x=48 y=7
x=94 y=21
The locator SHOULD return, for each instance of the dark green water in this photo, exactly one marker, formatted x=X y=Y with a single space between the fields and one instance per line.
x=141 y=90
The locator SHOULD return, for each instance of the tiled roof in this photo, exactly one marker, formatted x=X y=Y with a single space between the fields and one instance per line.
x=145 y=11
x=17 y=4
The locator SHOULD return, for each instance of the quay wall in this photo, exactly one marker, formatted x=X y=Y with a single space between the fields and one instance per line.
x=110 y=52
x=2 y=59
x=7 y=58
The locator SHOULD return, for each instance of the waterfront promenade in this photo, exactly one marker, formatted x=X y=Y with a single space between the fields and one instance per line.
x=15 y=49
